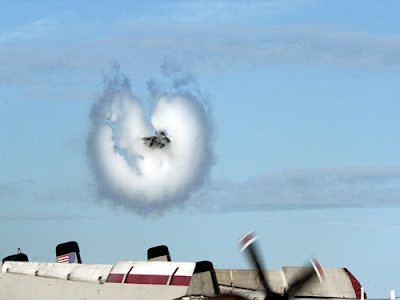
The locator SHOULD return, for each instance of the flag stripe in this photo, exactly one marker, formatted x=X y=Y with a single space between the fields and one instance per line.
x=67 y=258
x=63 y=258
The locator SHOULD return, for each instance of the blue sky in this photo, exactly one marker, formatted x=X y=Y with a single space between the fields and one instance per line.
x=304 y=101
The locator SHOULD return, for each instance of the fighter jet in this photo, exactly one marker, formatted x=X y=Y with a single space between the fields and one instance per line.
x=159 y=140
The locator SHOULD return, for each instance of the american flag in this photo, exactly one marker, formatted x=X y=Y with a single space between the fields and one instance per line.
x=67 y=258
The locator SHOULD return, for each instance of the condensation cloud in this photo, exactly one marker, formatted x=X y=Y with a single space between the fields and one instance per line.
x=134 y=175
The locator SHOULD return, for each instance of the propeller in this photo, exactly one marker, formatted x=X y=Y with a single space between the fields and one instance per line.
x=247 y=244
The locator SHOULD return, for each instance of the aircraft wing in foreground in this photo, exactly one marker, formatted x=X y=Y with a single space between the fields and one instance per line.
x=163 y=279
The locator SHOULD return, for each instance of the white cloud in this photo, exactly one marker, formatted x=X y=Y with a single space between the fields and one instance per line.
x=302 y=189
x=130 y=173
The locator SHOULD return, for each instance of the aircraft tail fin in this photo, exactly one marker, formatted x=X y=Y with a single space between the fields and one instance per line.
x=204 y=280
x=16 y=257
x=68 y=253
x=158 y=253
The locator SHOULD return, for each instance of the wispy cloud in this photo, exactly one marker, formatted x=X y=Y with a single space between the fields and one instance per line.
x=38 y=52
x=12 y=189
x=216 y=46
x=301 y=189
x=240 y=45
x=45 y=218
x=223 y=11
x=32 y=31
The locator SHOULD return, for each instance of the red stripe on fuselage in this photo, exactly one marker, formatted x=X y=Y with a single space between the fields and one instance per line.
x=115 y=278
x=149 y=279
x=180 y=280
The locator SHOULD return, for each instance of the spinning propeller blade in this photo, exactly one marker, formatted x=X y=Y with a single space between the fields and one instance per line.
x=247 y=244
x=313 y=270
